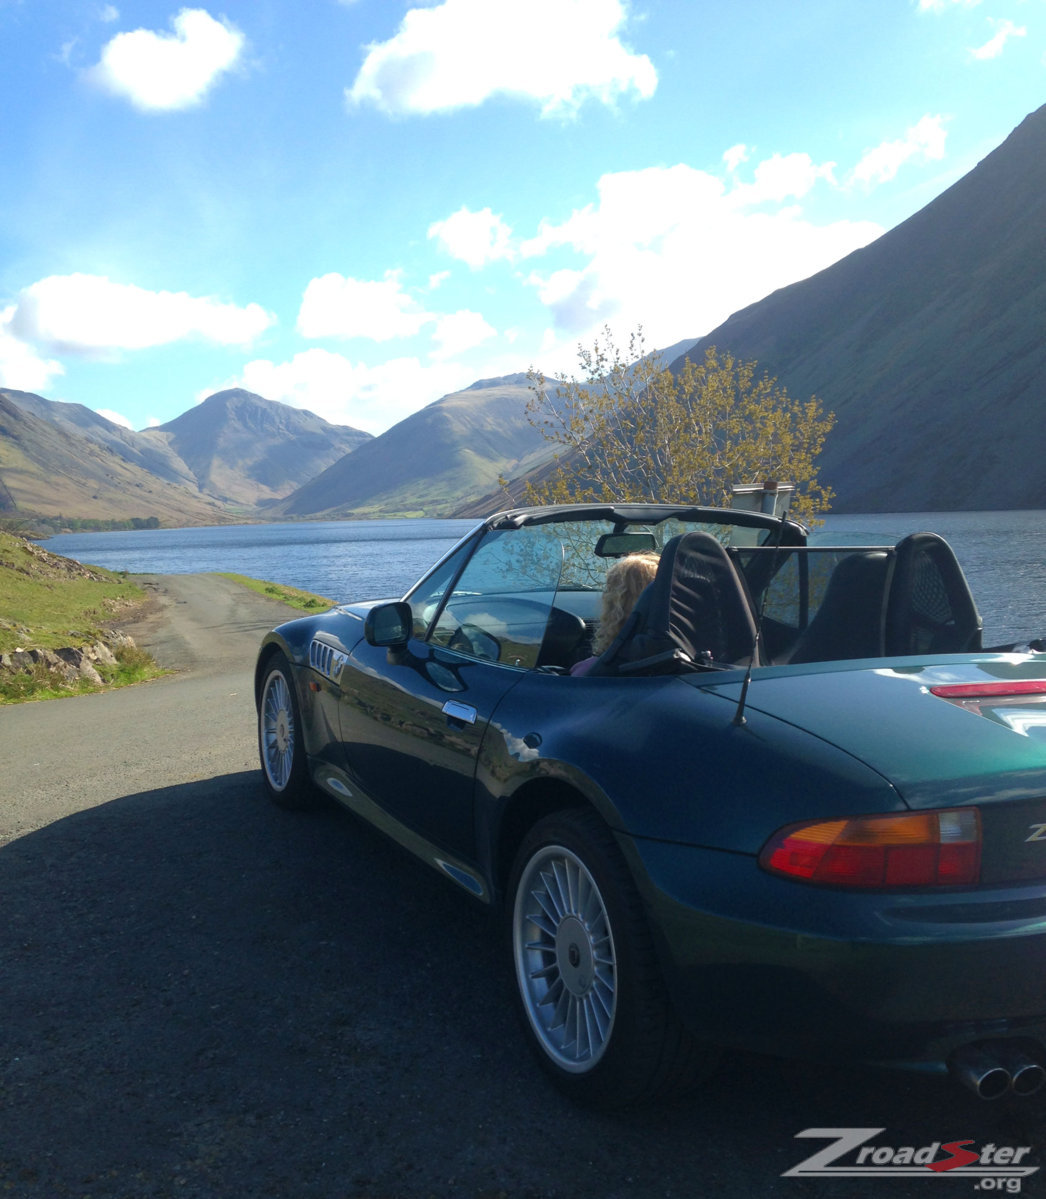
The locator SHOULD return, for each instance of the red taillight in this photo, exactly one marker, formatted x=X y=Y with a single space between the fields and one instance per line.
x=912 y=849
x=993 y=690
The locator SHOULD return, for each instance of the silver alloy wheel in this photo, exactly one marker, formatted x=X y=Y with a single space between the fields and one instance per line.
x=277 y=731
x=566 y=966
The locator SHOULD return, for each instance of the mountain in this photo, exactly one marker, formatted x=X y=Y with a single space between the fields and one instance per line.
x=449 y=452
x=148 y=454
x=217 y=462
x=928 y=345
x=245 y=450
x=47 y=469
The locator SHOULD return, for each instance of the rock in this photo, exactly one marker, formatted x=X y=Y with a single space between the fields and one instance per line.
x=70 y=663
x=75 y=663
x=100 y=652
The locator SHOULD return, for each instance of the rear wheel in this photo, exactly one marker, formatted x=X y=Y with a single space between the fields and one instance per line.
x=284 y=768
x=588 y=983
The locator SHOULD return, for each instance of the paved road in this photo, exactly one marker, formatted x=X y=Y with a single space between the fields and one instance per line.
x=202 y=996
x=69 y=755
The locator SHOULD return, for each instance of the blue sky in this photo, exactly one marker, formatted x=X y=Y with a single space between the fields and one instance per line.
x=358 y=206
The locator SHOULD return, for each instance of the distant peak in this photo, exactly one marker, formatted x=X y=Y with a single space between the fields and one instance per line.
x=517 y=380
x=235 y=395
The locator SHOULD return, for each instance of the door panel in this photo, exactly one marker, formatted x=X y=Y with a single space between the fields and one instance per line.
x=412 y=723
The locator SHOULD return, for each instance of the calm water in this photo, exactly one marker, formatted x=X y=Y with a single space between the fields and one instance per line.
x=1003 y=554
x=339 y=559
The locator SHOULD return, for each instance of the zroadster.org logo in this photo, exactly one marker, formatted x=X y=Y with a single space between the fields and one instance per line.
x=854 y=1153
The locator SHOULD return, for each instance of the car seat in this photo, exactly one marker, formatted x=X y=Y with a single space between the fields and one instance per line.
x=849 y=622
x=695 y=612
x=930 y=608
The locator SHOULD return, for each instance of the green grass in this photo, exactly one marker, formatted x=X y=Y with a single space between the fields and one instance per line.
x=304 y=601
x=133 y=665
x=49 y=602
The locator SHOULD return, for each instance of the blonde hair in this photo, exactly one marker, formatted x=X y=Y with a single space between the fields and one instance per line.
x=625 y=582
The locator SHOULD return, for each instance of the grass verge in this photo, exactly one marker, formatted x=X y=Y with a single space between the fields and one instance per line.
x=304 y=601
x=133 y=665
x=50 y=603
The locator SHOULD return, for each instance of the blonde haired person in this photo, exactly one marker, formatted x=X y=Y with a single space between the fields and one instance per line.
x=625 y=582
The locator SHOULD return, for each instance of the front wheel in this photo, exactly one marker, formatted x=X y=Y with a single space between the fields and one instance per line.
x=284 y=768
x=588 y=983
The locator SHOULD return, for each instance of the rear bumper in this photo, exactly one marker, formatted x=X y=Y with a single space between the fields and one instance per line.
x=774 y=966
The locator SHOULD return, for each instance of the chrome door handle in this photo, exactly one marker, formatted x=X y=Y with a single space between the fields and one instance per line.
x=453 y=710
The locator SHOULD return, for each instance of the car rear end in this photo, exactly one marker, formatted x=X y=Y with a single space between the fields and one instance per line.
x=909 y=933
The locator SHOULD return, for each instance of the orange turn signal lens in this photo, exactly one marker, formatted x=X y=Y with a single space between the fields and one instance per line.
x=910 y=849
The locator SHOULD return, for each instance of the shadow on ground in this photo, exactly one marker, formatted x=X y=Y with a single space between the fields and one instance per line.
x=206 y=997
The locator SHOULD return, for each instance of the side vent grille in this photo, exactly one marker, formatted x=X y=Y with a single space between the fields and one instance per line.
x=327 y=660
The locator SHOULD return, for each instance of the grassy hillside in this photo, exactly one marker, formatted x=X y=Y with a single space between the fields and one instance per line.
x=53 y=604
x=48 y=471
x=137 y=449
x=430 y=463
x=927 y=345
x=245 y=450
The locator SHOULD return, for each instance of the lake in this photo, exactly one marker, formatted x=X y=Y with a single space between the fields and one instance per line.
x=1003 y=554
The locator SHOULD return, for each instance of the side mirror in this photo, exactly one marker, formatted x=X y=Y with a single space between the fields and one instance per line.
x=389 y=625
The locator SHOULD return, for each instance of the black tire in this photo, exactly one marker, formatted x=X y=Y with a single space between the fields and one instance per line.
x=589 y=987
x=285 y=771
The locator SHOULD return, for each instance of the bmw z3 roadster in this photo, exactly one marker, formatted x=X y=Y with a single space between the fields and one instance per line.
x=794 y=806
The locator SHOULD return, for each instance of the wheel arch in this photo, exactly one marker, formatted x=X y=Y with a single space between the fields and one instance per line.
x=532 y=802
x=270 y=647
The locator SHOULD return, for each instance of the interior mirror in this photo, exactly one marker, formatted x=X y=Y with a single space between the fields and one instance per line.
x=389 y=625
x=618 y=545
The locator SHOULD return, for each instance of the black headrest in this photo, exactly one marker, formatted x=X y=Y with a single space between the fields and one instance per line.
x=930 y=607
x=696 y=610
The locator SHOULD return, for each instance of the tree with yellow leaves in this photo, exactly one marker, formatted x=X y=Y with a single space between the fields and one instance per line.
x=630 y=430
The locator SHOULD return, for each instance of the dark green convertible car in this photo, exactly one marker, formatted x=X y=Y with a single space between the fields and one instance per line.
x=794 y=807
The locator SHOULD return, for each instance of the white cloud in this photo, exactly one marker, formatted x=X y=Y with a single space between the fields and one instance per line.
x=460 y=331
x=781 y=177
x=109 y=13
x=460 y=53
x=163 y=71
x=677 y=250
x=91 y=315
x=1004 y=30
x=116 y=417
x=939 y=6
x=473 y=237
x=21 y=368
x=924 y=140
x=371 y=398
x=338 y=306
x=735 y=156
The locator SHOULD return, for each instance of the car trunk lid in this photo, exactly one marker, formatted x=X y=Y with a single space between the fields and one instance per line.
x=953 y=733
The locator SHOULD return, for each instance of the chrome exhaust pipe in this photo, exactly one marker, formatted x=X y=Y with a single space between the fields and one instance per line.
x=1026 y=1075
x=980 y=1071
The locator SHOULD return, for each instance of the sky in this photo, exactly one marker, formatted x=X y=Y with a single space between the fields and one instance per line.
x=359 y=206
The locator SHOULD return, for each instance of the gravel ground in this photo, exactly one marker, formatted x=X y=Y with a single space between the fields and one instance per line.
x=205 y=997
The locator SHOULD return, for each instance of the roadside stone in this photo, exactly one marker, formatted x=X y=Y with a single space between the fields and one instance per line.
x=18 y=659
x=77 y=663
x=69 y=663
x=100 y=652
